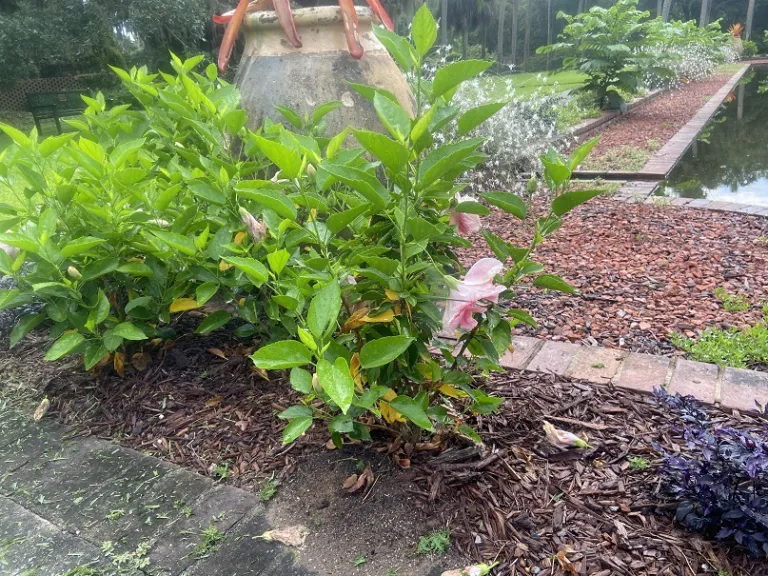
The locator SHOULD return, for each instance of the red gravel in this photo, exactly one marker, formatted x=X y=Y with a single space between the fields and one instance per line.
x=644 y=271
x=659 y=119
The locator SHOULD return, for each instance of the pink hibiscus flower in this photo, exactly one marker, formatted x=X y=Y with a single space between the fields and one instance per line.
x=466 y=223
x=472 y=295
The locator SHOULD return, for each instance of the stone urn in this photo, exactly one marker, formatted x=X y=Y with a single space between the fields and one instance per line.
x=272 y=71
x=738 y=45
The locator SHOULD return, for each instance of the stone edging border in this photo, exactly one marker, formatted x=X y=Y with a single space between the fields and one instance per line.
x=731 y=388
x=663 y=161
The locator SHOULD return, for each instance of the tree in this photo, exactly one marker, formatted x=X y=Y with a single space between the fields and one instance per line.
x=582 y=6
x=444 y=22
x=750 y=19
x=500 y=33
x=527 y=40
x=549 y=29
x=659 y=7
x=513 y=53
x=665 y=10
x=706 y=5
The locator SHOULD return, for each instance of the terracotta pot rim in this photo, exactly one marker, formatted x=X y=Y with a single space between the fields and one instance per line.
x=306 y=17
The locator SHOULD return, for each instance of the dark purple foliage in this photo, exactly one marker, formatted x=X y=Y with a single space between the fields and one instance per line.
x=720 y=478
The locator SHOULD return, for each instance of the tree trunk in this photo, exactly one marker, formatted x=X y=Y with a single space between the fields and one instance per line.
x=549 y=29
x=444 y=22
x=750 y=19
x=704 y=14
x=527 y=40
x=513 y=52
x=500 y=32
x=665 y=10
x=659 y=7
x=582 y=7
x=464 y=38
x=485 y=36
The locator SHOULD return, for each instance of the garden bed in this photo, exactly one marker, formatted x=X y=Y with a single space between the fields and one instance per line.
x=517 y=500
x=644 y=272
x=628 y=144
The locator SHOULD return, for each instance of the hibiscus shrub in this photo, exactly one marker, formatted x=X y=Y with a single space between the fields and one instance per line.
x=339 y=261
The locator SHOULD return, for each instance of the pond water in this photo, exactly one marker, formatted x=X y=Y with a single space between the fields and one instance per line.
x=729 y=160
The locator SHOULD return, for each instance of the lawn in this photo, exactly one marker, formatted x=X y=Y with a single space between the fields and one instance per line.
x=529 y=83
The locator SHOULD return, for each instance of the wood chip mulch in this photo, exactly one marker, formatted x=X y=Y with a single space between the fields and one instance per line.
x=644 y=271
x=191 y=407
x=538 y=510
x=518 y=501
x=657 y=120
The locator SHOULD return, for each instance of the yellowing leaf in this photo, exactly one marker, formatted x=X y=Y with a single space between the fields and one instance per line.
x=449 y=390
x=354 y=370
x=224 y=266
x=384 y=317
x=355 y=321
x=183 y=304
x=390 y=414
x=239 y=237
x=390 y=395
x=391 y=295
x=141 y=361
x=119 y=363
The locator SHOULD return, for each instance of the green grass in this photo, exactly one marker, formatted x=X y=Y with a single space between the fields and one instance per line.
x=623 y=158
x=435 y=544
x=733 y=347
x=731 y=68
x=528 y=83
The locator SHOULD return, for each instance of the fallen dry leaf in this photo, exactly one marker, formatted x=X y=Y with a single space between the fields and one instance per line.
x=291 y=536
x=476 y=570
x=565 y=564
x=140 y=361
x=349 y=482
x=217 y=352
x=41 y=409
x=361 y=482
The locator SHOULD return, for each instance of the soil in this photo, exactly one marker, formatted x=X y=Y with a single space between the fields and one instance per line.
x=650 y=126
x=515 y=500
x=644 y=271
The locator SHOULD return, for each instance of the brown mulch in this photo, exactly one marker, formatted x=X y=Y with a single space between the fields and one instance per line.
x=517 y=501
x=191 y=407
x=536 y=509
x=659 y=119
x=644 y=271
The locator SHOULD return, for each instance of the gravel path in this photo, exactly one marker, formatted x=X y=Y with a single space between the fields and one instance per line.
x=644 y=271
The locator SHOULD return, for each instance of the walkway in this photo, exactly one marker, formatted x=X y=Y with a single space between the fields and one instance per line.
x=86 y=507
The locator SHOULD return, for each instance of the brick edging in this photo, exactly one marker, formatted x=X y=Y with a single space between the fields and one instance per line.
x=732 y=388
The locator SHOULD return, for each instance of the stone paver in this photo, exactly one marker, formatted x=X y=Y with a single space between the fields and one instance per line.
x=62 y=498
x=741 y=388
x=596 y=364
x=643 y=372
x=525 y=348
x=554 y=357
x=695 y=378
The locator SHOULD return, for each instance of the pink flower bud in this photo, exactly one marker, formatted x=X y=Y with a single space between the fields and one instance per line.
x=563 y=438
x=256 y=229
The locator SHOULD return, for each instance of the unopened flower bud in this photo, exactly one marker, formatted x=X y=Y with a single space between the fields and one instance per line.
x=316 y=383
x=256 y=229
x=563 y=438
x=159 y=222
x=311 y=170
x=531 y=186
x=74 y=273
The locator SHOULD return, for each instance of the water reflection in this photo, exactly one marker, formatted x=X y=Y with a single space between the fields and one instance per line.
x=729 y=161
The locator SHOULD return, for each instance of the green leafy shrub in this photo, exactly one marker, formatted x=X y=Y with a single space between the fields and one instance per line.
x=614 y=47
x=338 y=261
x=749 y=49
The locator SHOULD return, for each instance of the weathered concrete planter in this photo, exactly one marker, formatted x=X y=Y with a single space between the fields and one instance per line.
x=273 y=72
